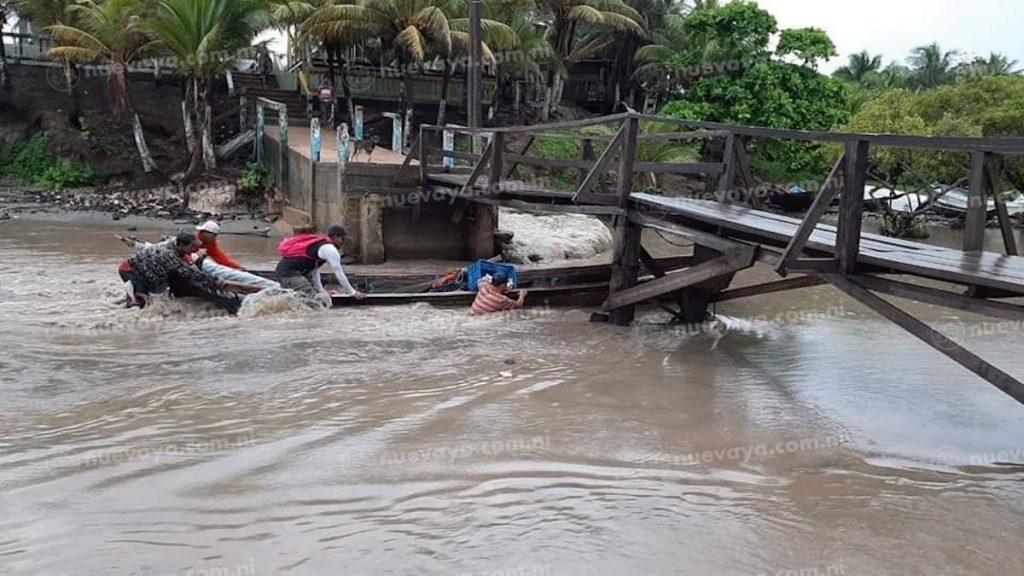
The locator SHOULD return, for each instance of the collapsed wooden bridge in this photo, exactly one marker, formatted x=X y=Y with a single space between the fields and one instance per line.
x=731 y=232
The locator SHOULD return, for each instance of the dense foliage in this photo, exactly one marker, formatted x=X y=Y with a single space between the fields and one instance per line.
x=31 y=163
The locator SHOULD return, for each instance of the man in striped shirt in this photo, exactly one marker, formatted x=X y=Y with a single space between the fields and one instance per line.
x=492 y=296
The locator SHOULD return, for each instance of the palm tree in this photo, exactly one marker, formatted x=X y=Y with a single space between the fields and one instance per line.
x=577 y=29
x=204 y=36
x=496 y=35
x=859 y=68
x=109 y=32
x=407 y=30
x=995 y=65
x=931 y=67
x=44 y=14
x=668 y=40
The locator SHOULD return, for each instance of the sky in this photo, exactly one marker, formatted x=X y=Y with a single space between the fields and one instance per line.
x=894 y=27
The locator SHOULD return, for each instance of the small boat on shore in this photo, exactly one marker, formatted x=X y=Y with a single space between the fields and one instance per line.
x=953 y=201
x=571 y=286
x=796 y=199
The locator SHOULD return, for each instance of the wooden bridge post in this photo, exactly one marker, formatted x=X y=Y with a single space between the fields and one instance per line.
x=851 y=206
x=977 y=204
x=481 y=232
x=626 y=262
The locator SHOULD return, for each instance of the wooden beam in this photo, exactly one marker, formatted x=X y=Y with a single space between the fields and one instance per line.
x=770 y=288
x=555 y=208
x=1001 y=310
x=526 y=148
x=1008 y=384
x=693 y=235
x=977 y=207
x=496 y=173
x=601 y=166
x=706 y=168
x=728 y=178
x=814 y=265
x=478 y=169
x=722 y=266
x=626 y=261
x=1005 y=225
x=822 y=201
x=745 y=173
x=851 y=206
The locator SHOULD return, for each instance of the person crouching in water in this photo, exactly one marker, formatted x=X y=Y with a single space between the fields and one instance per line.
x=163 y=267
x=302 y=256
x=493 y=296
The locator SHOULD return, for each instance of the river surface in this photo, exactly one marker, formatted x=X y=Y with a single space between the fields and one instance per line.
x=801 y=434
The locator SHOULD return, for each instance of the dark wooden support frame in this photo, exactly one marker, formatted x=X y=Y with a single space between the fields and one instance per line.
x=818 y=208
x=851 y=206
x=977 y=206
x=859 y=292
x=626 y=263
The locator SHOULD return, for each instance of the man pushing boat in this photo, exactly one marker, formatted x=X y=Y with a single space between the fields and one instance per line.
x=302 y=256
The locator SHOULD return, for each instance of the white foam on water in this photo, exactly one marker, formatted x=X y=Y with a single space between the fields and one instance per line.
x=276 y=301
x=554 y=237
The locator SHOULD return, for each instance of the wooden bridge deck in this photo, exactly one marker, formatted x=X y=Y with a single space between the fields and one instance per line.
x=974 y=268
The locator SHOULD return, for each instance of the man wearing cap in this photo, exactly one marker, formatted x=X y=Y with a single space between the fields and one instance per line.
x=155 y=268
x=492 y=296
x=302 y=256
x=207 y=234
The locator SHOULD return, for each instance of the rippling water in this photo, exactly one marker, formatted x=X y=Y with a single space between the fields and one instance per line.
x=799 y=434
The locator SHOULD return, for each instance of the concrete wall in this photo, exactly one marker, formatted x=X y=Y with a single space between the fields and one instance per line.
x=381 y=218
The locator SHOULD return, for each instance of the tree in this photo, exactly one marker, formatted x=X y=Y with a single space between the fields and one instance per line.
x=109 y=32
x=766 y=90
x=577 y=29
x=859 y=68
x=931 y=67
x=995 y=65
x=205 y=37
x=807 y=44
x=407 y=30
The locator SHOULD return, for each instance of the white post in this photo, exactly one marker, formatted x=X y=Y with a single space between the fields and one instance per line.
x=396 y=131
x=359 y=122
x=407 y=130
x=343 y=143
x=448 y=145
x=314 y=139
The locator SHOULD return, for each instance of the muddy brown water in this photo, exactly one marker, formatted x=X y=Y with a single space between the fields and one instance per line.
x=808 y=437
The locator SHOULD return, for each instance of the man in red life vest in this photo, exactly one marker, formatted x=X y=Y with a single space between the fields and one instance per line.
x=302 y=256
x=492 y=296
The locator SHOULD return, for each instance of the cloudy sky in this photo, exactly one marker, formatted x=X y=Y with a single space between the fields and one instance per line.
x=893 y=27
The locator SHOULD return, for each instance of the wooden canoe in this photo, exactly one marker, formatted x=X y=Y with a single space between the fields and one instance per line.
x=575 y=286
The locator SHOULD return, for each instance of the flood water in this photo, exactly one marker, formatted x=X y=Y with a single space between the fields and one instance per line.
x=808 y=437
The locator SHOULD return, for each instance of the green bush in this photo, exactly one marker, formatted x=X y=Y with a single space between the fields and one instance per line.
x=254 y=185
x=31 y=163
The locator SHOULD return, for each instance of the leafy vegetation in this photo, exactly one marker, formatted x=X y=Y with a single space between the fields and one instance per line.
x=31 y=163
x=255 y=185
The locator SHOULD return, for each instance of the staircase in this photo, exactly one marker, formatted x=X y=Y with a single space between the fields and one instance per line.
x=253 y=88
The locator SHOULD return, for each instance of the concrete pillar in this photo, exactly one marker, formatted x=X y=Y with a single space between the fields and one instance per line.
x=371 y=229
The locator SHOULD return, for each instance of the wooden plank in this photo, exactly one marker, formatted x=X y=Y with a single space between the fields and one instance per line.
x=814 y=265
x=822 y=201
x=770 y=288
x=1002 y=310
x=722 y=266
x=691 y=234
x=627 y=160
x=977 y=207
x=526 y=148
x=536 y=128
x=1001 y=380
x=556 y=208
x=1005 y=225
x=601 y=166
x=1001 y=145
x=708 y=168
x=478 y=169
x=851 y=206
